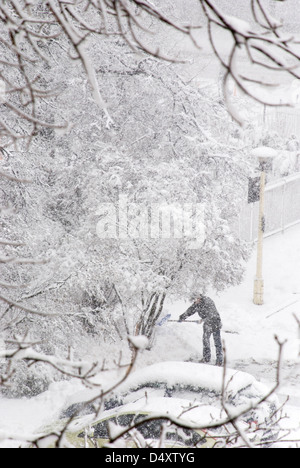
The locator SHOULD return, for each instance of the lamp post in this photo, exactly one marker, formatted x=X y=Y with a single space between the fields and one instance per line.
x=265 y=157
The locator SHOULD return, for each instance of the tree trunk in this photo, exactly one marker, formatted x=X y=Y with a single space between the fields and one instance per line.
x=151 y=314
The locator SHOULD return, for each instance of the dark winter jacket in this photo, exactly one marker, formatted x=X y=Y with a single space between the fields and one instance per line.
x=207 y=310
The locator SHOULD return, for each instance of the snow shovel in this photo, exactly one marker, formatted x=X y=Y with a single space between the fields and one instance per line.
x=186 y=321
x=167 y=319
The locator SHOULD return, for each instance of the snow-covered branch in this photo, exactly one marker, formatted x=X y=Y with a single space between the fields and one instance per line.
x=261 y=45
x=234 y=432
x=29 y=34
x=24 y=351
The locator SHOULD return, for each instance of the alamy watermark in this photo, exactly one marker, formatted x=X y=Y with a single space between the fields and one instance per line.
x=126 y=220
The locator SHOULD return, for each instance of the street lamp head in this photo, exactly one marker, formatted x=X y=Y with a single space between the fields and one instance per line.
x=265 y=156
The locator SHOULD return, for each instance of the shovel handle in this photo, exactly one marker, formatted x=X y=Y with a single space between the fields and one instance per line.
x=186 y=321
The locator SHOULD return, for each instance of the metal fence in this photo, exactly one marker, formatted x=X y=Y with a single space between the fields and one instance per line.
x=285 y=121
x=282 y=209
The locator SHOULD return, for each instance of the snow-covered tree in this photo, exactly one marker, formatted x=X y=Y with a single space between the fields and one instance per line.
x=30 y=31
x=166 y=147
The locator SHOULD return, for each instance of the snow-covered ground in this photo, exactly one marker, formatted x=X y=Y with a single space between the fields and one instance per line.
x=249 y=330
x=248 y=334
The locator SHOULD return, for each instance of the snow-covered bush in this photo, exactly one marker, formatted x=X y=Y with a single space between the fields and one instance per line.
x=27 y=382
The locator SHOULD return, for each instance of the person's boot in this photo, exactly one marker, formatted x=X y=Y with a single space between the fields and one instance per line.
x=220 y=362
x=204 y=361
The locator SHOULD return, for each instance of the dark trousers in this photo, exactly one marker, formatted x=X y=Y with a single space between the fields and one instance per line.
x=207 y=332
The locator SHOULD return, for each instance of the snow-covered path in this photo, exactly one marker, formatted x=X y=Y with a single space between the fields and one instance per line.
x=21 y=418
x=249 y=330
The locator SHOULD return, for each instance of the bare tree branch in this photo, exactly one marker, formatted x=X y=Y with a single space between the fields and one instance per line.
x=26 y=35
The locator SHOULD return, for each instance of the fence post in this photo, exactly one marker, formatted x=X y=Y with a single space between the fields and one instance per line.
x=283 y=206
x=258 y=296
x=264 y=114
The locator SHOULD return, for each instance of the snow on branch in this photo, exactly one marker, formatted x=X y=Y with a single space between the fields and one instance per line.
x=79 y=369
x=229 y=417
x=27 y=34
x=30 y=31
x=233 y=432
x=262 y=45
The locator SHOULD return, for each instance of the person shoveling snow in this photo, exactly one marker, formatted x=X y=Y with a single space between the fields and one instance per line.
x=212 y=325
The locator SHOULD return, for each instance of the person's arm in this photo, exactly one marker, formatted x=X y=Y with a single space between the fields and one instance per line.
x=191 y=311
